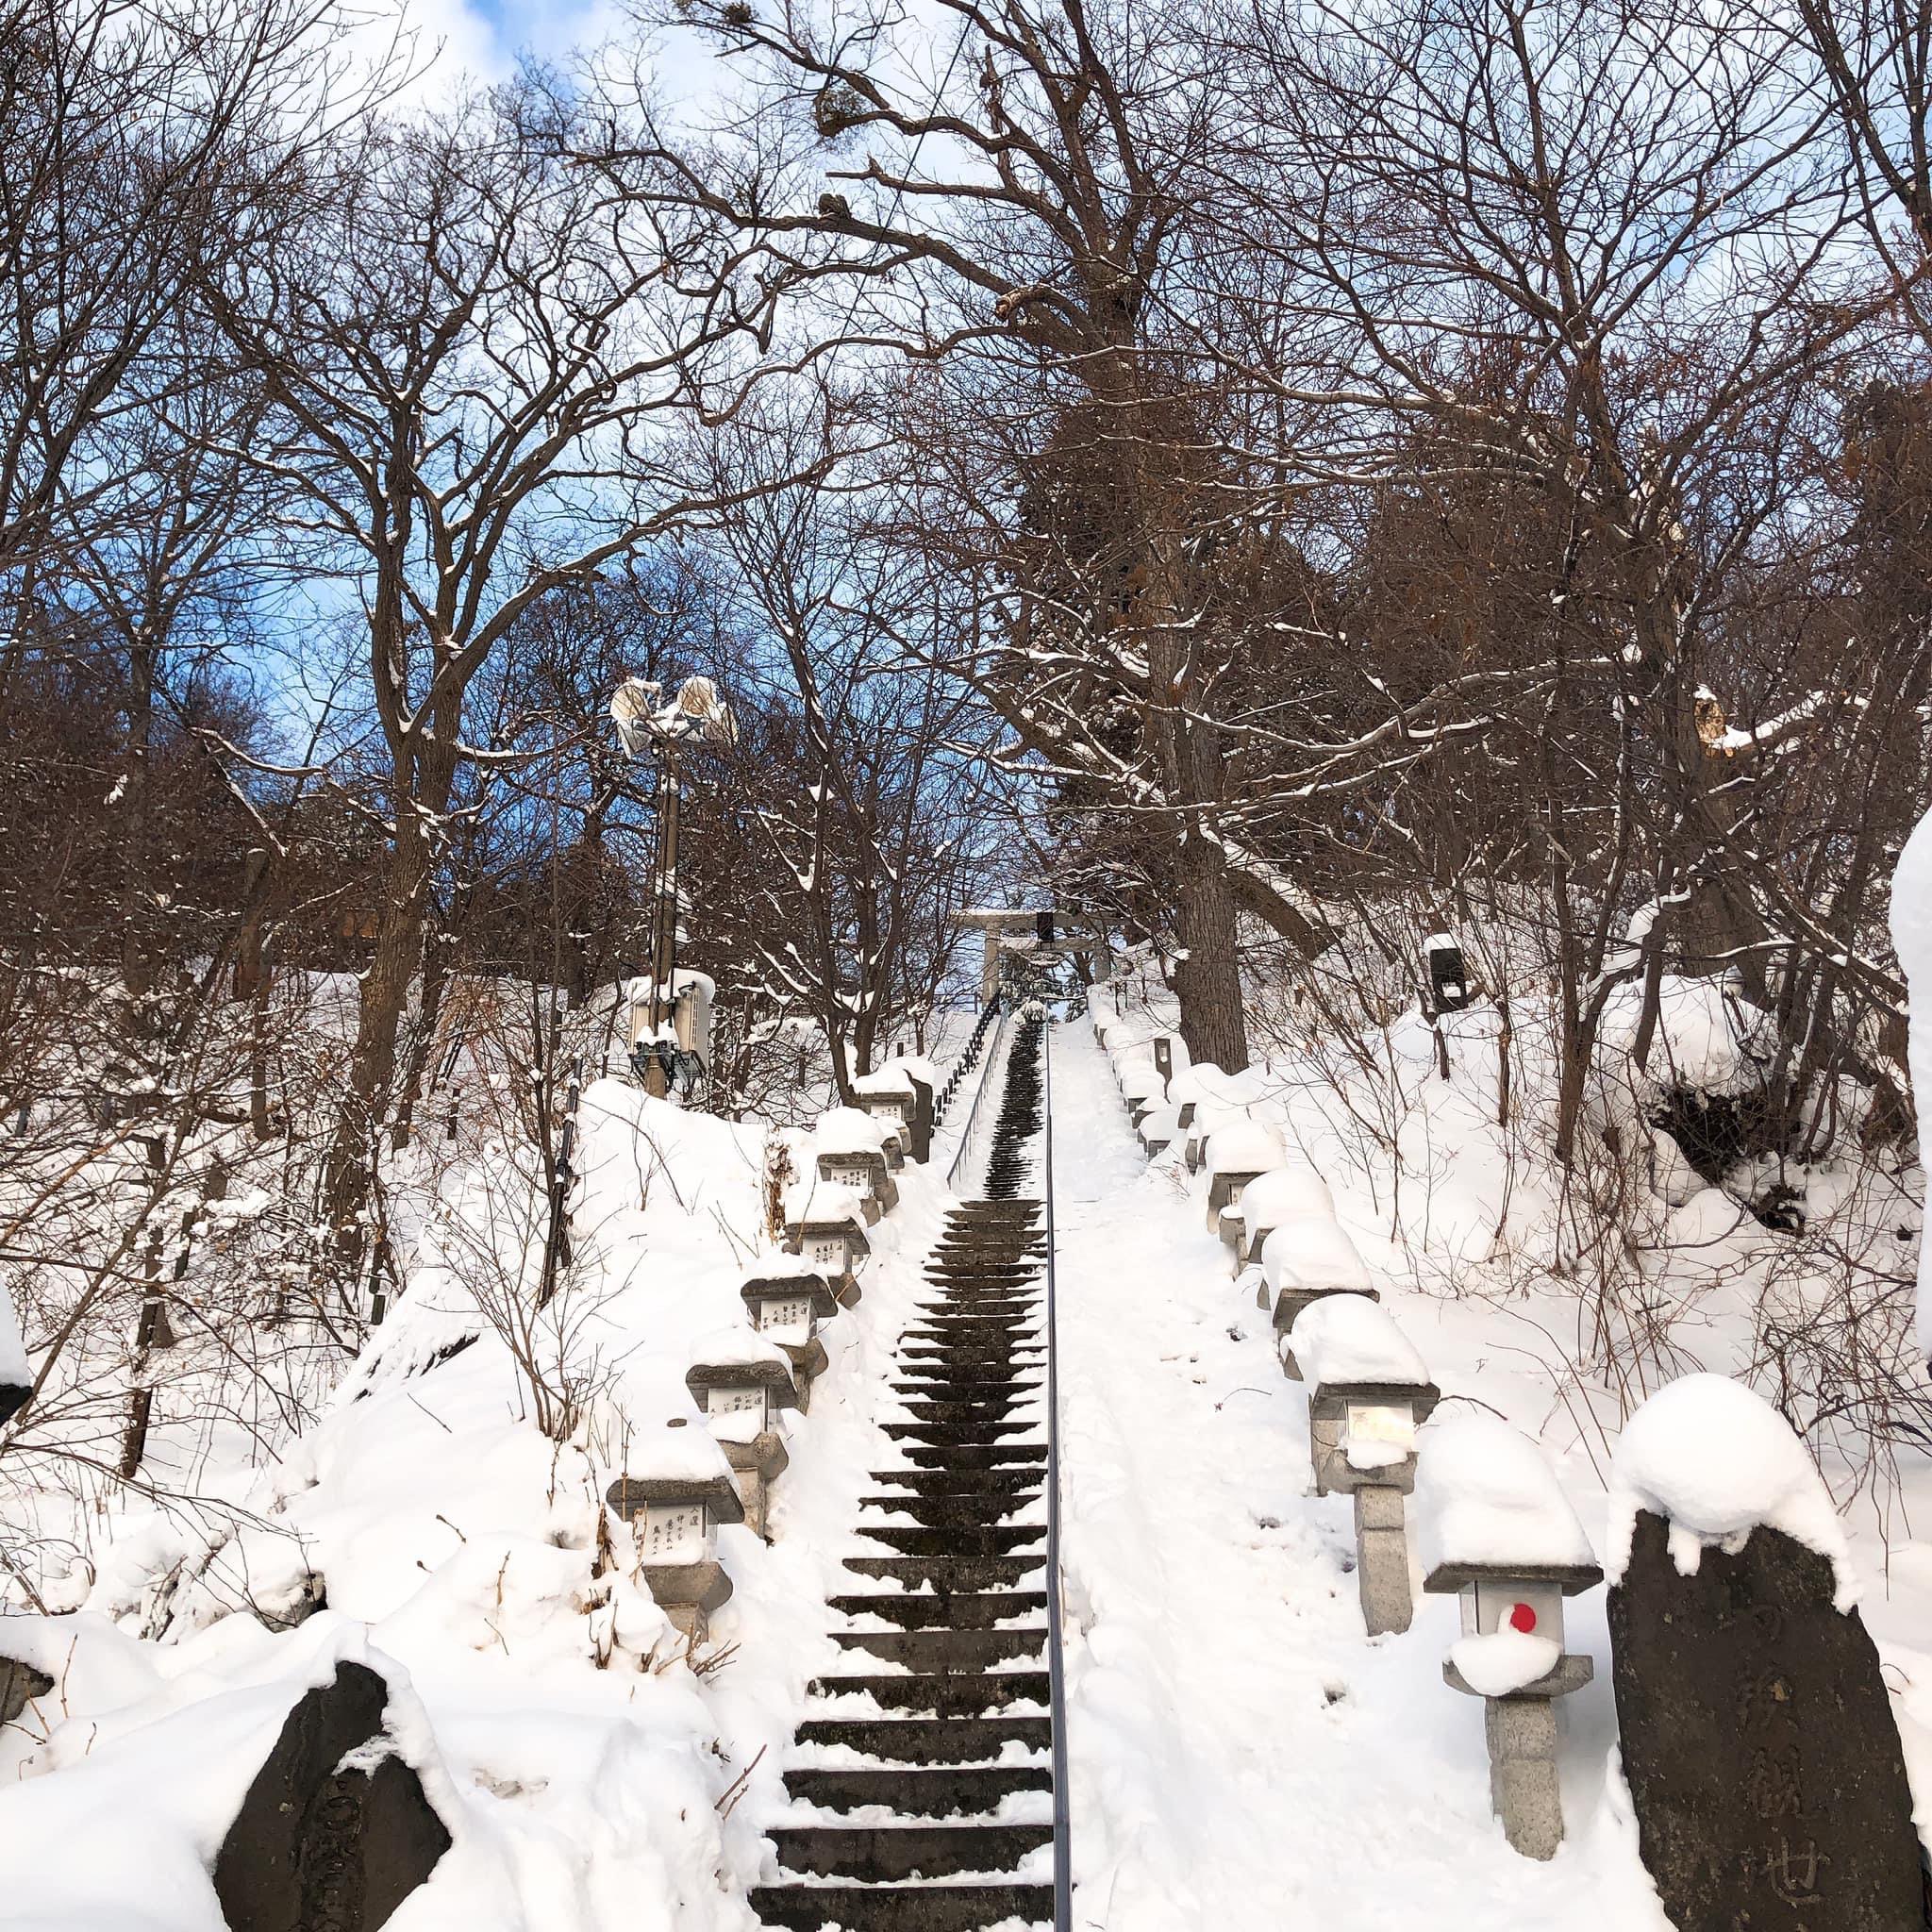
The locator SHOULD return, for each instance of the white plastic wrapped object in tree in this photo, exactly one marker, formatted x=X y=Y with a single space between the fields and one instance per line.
x=1314 y=1254
x=1715 y=1461
x=16 y=1376
x=1911 y=938
x=1485 y=1498
x=1345 y=1339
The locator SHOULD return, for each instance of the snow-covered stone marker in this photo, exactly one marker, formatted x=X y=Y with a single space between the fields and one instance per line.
x=1142 y=1089
x=681 y=1491
x=1369 y=1389
x=741 y=1379
x=889 y=1095
x=1758 y=1736
x=1493 y=1525
x=1304 y=1262
x=824 y=1223
x=1280 y=1196
x=1236 y=1154
x=851 y=1151
x=1160 y=1129
x=786 y=1300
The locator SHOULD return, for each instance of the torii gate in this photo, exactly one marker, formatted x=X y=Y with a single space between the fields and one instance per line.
x=1050 y=932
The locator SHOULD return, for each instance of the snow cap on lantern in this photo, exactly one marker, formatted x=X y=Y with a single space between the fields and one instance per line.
x=1493 y=1525
x=1270 y=1200
x=1236 y=1153
x=1304 y=1262
x=825 y=1222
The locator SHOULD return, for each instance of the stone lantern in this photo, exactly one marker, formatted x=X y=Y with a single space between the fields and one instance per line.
x=889 y=1096
x=1368 y=1391
x=1495 y=1526
x=785 y=1301
x=1236 y=1153
x=1158 y=1130
x=674 y=1509
x=1303 y=1261
x=1448 y=976
x=825 y=1225
x=741 y=1381
x=850 y=1146
x=1270 y=1200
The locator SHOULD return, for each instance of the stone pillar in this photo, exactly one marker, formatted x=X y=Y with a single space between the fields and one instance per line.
x=1524 y=1786
x=1381 y=1560
x=990 y=967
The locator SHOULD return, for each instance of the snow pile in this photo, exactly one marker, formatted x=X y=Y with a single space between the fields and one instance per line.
x=1715 y=1461
x=1348 y=1337
x=1308 y=1254
x=1284 y=1194
x=739 y=1346
x=1484 y=1498
x=851 y=1130
x=815 y=1200
x=1493 y=1663
x=1708 y=1038
x=1244 y=1146
x=1912 y=935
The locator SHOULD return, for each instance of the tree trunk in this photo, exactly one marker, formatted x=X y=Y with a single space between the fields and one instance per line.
x=1209 y=979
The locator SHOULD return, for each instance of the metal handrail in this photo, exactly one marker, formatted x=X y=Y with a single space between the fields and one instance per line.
x=1056 y=1660
x=976 y=1118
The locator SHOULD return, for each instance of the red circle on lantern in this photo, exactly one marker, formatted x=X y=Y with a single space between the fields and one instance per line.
x=1523 y=1618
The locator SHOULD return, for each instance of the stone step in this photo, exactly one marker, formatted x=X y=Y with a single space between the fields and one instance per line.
x=986 y=1409
x=929 y=1739
x=949 y=1575
x=930 y=1379
x=957 y=1540
x=940 y=1792
x=928 y=1457
x=956 y=1511
x=883 y=1854
x=959 y=1435
x=960 y=1482
x=939 y=1693
x=902 y=1908
x=923 y=1611
x=947 y=1653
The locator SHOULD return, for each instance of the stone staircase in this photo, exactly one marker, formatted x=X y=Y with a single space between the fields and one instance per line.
x=923 y=1795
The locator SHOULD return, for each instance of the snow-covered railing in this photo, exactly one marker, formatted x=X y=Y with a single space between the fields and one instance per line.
x=980 y=1122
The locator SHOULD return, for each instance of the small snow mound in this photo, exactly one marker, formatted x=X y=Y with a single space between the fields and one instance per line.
x=821 y=1200
x=1348 y=1337
x=735 y=1347
x=1485 y=1496
x=1706 y=1037
x=1314 y=1254
x=1501 y=1661
x=850 y=1130
x=1244 y=1146
x=1715 y=1461
x=1284 y=1194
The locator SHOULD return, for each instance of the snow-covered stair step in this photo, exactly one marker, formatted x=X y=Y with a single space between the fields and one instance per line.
x=890 y=1852
x=950 y=1574
x=930 y=1740
x=944 y=1693
x=930 y=1791
x=947 y=1650
x=904 y=1909
x=929 y=1611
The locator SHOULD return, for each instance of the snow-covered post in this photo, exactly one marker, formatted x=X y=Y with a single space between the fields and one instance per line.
x=1369 y=1389
x=786 y=1300
x=889 y=1097
x=1281 y=1195
x=1304 y=1262
x=824 y=1223
x=679 y=1490
x=741 y=1379
x=1236 y=1154
x=1492 y=1525
x=1142 y=1089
